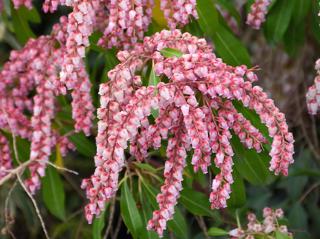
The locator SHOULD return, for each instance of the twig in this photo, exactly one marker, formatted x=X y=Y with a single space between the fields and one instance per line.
x=35 y=206
x=112 y=208
x=314 y=186
x=203 y=226
x=16 y=171
x=62 y=168
x=6 y=212
x=117 y=230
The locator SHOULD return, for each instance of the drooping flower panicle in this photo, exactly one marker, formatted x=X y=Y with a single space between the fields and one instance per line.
x=258 y=12
x=195 y=113
x=37 y=66
x=313 y=94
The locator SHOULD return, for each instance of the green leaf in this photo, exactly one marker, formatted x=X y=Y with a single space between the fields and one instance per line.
x=294 y=38
x=300 y=10
x=278 y=20
x=146 y=214
x=53 y=193
x=253 y=117
x=195 y=202
x=146 y=167
x=129 y=211
x=295 y=35
x=154 y=80
x=298 y=220
x=208 y=16
x=229 y=48
x=20 y=19
x=215 y=231
x=315 y=24
x=280 y=235
x=83 y=144
x=178 y=225
x=170 y=52
x=251 y=166
x=229 y=6
x=98 y=225
x=238 y=194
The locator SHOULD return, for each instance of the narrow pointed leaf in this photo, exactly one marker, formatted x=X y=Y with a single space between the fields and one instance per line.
x=251 y=166
x=215 y=231
x=53 y=193
x=208 y=16
x=196 y=202
x=238 y=194
x=229 y=48
x=129 y=211
x=98 y=225
x=278 y=20
x=170 y=52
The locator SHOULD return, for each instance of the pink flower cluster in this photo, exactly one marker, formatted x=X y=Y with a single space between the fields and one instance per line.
x=178 y=12
x=5 y=158
x=258 y=12
x=313 y=94
x=123 y=22
x=267 y=227
x=202 y=124
x=36 y=67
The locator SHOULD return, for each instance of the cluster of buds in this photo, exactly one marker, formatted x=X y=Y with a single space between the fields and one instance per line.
x=258 y=12
x=265 y=228
x=313 y=94
x=195 y=114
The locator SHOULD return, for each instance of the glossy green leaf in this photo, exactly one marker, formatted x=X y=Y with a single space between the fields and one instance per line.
x=146 y=214
x=238 y=194
x=208 y=16
x=154 y=80
x=98 y=225
x=53 y=193
x=170 y=52
x=178 y=225
x=196 y=202
x=215 y=231
x=129 y=211
x=145 y=166
x=20 y=20
x=294 y=38
x=84 y=146
x=298 y=219
x=278 y=20
x=315 y=20
x=280 y=235
x=253 y=117
x=229 y=6
x=251 y=165
x=300 y=10
x=230 y=48
x=295 y=35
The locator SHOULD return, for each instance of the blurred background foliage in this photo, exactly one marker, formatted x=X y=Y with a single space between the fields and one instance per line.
x=285 y=49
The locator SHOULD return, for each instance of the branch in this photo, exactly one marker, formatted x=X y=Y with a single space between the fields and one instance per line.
x=15 y=172
x=35 y=206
